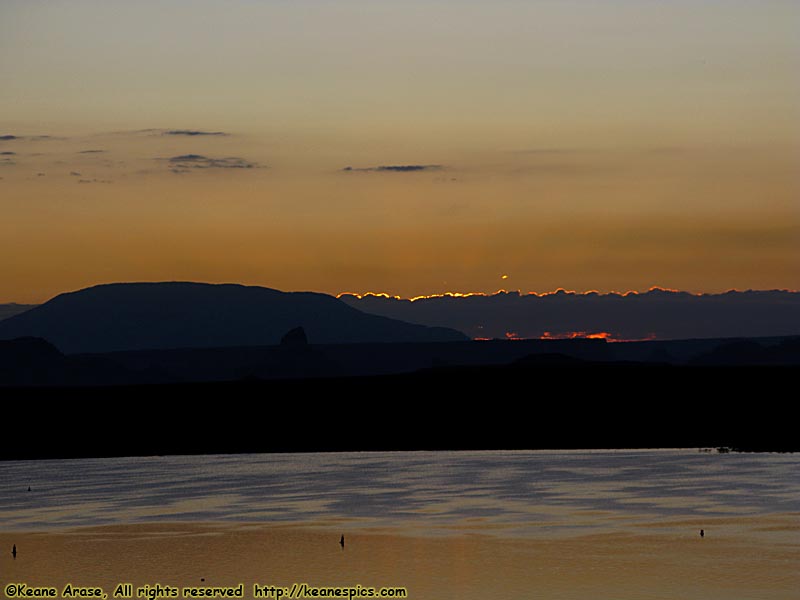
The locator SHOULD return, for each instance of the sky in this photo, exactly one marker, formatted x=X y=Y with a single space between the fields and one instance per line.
x=411 y=148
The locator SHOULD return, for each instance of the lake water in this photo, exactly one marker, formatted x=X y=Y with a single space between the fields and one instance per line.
x=606 y=525
x=520 y=494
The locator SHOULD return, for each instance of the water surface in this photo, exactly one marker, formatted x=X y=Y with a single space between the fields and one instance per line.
x=528 y=494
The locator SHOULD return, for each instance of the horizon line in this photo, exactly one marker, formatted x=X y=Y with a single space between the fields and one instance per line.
x=432 y=296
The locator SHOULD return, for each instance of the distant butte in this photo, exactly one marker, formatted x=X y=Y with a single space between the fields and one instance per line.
x=138 y=316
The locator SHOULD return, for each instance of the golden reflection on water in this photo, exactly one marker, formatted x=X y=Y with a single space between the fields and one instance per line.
x=658 y=562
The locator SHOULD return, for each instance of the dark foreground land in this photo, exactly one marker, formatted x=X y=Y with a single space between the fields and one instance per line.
x=546 y=403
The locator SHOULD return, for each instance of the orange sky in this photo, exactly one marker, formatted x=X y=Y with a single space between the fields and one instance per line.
x=607 y=145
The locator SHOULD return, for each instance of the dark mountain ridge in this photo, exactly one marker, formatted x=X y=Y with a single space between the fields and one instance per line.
x=9 y=310
x=138 y=316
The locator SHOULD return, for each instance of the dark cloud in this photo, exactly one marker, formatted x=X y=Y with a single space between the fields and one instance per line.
x=658 y=313
x=8 y=137
x=8 y=153
x=157 y=131
x=192 y=132
x=184 y=162
x=90 y=151
x=6 y=162
x=408 y=168
x=94 y=181
x=188 y=158
x=74 y=173
x=394 y=168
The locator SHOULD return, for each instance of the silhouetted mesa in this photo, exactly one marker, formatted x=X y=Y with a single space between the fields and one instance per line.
x=295 y=337
x=137 y=316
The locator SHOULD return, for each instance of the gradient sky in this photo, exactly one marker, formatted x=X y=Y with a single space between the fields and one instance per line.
x=584 y=144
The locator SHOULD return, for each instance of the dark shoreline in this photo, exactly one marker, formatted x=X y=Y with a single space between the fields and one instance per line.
x=612 y=406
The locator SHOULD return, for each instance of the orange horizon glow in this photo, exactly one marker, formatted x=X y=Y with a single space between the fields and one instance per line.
x=570 y=335
x=600 y=335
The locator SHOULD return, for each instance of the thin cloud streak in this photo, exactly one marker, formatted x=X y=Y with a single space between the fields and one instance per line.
x=193 y=132
x=184 y=163
x=392 y=168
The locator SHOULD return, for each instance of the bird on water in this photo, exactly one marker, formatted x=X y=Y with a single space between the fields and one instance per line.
x=14 y=551
x=702 y=533
x=341 y=542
